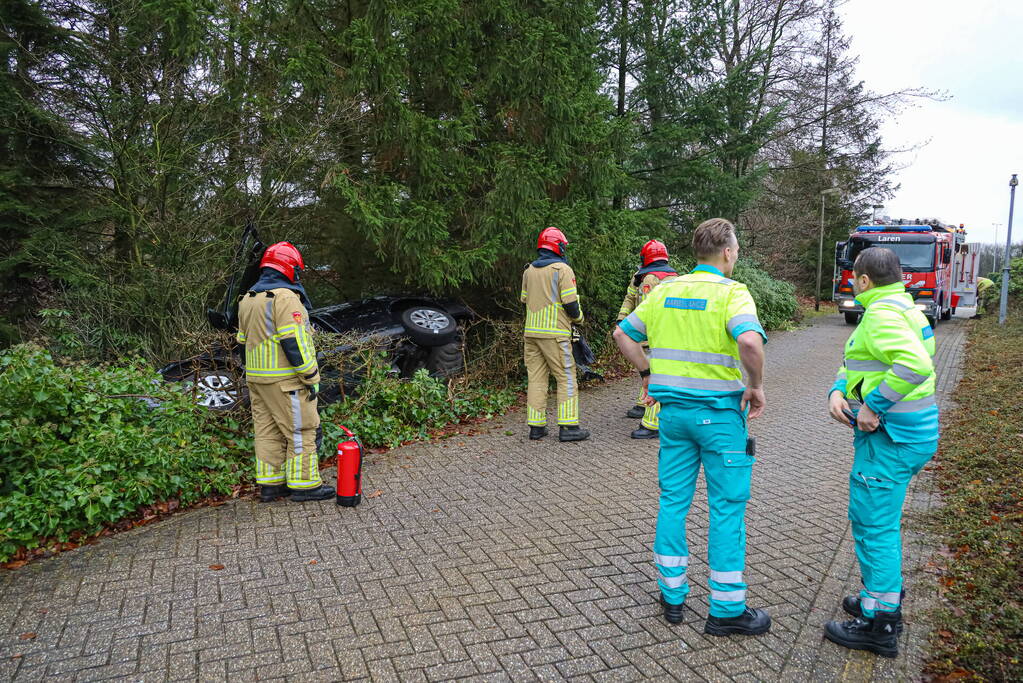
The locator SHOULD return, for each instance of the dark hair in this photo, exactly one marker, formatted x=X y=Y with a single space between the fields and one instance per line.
x=880 y=265
x=711 y=236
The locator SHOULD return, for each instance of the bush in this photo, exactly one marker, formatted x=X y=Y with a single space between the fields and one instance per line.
x=389 y=411
x=80 y=450
x=775 y=299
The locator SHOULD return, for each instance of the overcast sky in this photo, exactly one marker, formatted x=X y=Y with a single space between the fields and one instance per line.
x=972 y=142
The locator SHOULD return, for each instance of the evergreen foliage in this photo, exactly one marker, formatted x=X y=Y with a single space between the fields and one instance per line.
x=403 y=144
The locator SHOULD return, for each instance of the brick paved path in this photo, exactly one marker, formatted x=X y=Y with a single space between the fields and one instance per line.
x=488 y=556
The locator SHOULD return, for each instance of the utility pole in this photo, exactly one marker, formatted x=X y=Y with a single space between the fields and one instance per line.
x=1007 y=261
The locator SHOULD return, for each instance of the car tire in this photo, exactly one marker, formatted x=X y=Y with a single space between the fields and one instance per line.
x=446 y=361
x=852 y=318
x=429 y=326
x=216 y=389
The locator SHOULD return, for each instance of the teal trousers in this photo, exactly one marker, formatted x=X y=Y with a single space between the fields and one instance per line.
x=715 y=439
x=881 y=472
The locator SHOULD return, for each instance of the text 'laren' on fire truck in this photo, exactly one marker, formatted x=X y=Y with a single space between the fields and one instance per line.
x=937 y=266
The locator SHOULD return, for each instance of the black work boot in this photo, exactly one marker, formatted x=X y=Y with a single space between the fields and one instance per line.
x=879 y=635
x=537 y=433
x=752 y=622
x=644 y=433
x=636 y=412
x=321 y=492
x=273 y=492
x=851 y=605
x=572 y=433
x=672 y=613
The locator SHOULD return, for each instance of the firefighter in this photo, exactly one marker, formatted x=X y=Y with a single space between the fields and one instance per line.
x=552 y=306
x=983 y=284
x=887 y=382
x=283 y=378
x=702 y=328
x=654 y=271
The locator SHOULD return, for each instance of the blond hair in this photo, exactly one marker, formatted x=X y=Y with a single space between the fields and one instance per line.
x=711 y=236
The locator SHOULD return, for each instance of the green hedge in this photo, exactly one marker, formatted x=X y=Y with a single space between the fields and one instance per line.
x=77 y=453
x=389 y=411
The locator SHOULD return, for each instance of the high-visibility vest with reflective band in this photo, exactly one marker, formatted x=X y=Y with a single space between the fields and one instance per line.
x=889 y=364
x=266 y=318
x=691 y=323
x=983 y=284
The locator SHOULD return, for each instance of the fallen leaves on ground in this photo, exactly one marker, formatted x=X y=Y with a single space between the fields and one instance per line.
x=216 y=567
x=375 y=494
x=27 y=636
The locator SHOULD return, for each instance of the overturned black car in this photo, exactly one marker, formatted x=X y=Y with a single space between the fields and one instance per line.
x=417 y=332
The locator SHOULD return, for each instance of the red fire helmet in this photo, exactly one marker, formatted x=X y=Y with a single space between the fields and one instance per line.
x=552 y=238
x=283 y=257
x=654 y=250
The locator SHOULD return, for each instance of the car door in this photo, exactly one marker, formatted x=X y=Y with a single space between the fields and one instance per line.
x=246 y=264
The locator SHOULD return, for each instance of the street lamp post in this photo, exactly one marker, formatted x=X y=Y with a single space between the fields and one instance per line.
x=1007 y=261
x=820 y=249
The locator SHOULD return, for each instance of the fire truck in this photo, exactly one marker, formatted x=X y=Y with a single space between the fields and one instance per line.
x=937 y=267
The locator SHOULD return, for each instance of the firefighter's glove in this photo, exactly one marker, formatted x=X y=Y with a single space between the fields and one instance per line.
x=313 y=390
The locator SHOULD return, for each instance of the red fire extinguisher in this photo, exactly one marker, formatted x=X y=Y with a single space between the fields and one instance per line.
x=349 y=471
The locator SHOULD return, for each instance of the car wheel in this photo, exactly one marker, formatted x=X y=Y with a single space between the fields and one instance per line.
x=446 y=361
x=429 y=326
x=216 y=389
x=852 y=318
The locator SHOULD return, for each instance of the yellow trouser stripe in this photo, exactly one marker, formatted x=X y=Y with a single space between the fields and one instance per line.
x=267 y=474
x=536 y=418
x=568 y=412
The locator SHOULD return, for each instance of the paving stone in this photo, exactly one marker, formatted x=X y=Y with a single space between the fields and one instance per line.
x=491 y=558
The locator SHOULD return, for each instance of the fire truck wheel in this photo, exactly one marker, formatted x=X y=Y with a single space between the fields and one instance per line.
x=947 y=314
x=852 y=318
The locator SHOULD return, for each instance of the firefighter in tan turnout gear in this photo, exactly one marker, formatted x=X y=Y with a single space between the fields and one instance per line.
x=552 y=305
x=654 y=271
x=283 y=378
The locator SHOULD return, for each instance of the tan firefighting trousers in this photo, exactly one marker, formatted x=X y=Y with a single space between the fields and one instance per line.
x=285 y=422
x=651 y=414
x=546 y=356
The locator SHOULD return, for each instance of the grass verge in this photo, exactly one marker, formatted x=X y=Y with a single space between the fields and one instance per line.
x=979 y=630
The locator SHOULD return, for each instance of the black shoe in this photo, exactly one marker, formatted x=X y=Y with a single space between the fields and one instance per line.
x=271 y=493
x=672 y=613
x=851 y=605
x=752 y=622
x=321 y=492
x=644 y=433
x=572 y=433
x=879 y=635
x=537 y=433
x=636 y=412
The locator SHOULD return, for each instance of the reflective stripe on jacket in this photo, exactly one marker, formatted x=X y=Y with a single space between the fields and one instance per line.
x=265 y=319
x=545 y=290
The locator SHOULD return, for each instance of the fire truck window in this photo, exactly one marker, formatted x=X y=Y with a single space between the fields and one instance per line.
x=912 y=256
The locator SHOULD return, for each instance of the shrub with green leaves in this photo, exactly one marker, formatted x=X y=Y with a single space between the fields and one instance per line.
x=79 y=449
x=389 y=411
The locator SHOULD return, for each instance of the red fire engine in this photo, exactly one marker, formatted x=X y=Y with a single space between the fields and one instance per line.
x=937 y=268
